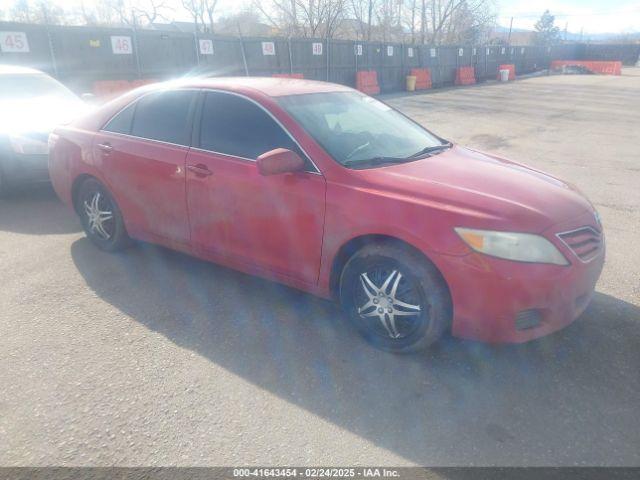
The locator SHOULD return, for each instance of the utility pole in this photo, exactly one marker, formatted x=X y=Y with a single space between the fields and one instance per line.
x=244 y=54
x=510 y=28
x=369 y=14
x=52 y=50
x=566 y=27
x=135 y=42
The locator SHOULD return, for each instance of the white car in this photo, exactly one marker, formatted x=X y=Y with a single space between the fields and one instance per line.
x=31 y=105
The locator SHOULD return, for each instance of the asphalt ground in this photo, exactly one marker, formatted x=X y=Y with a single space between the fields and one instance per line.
x=149 y=357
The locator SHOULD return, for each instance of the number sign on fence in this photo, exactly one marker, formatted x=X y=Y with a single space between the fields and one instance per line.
x=206 y=46
x=14 y=42
x=268 y=48
x=121 y=45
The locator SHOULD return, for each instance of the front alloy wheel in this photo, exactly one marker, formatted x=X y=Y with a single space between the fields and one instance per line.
x=392 y=300
x=395 y=297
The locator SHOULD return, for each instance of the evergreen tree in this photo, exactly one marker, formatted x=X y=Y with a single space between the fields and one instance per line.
x=546 y=32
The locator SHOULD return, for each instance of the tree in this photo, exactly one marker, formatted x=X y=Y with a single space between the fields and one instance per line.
x=388 y=20
x=471 y=23
x=40 y=11
x=546 y=32
x=280 y=14
x=446 y=20
x=412 y=21
x=148 y=12
x=210 y=7
x=196 y=10
x=306 y=18
x=21 y=12
x=440 y=21
x=118 y=10
x=362 y=13
x=246 y=22
x=122 y=12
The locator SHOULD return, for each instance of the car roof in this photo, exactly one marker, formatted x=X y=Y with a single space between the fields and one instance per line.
x=18 y=70
x=273 y=87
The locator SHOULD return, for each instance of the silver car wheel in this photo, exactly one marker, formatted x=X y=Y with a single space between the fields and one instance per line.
x=383 y=303
x=96 y=217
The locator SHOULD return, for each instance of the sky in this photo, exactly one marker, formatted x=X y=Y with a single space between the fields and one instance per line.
x=591 y=16
x=594 y=16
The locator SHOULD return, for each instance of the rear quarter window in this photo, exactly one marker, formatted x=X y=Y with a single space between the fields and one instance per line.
x=163 y=116
x=121 y=122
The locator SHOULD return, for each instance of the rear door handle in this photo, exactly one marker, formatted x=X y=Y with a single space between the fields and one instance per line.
x=200 y=170
x=105 y=147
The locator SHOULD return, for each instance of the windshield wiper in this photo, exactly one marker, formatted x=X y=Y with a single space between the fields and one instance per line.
x=382 y=160
x=374 y=161
x=431 y=149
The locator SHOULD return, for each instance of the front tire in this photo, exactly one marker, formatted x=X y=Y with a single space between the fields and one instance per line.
x=100 y=216
x=395 y=298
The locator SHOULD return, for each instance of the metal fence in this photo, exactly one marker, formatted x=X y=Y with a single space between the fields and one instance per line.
x=628 y=54
x=78 y=56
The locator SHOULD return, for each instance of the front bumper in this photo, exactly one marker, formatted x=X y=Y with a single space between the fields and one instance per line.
x=19 y=169
x=488 y=293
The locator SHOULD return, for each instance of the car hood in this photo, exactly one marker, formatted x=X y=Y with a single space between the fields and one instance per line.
x=491 y=192
x=38 y=114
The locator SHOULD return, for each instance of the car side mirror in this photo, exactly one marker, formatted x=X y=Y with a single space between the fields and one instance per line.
x=280 y=160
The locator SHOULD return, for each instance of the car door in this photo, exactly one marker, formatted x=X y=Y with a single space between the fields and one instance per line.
x=270 y=222
x=142 y=151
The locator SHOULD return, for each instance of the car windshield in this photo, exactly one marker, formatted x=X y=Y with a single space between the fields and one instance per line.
x=356 y=129
x=18 y=87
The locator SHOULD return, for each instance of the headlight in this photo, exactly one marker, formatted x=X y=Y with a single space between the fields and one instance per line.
x=27 y=145
x=521 y=247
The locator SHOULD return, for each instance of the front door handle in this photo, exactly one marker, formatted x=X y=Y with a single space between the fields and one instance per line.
x=105 y=147
x=200 y=170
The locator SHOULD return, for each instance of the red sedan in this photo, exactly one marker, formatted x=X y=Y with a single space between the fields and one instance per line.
x=330 y=191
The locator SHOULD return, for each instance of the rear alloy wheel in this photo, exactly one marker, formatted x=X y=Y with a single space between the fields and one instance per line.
x=395 y=298
x=101 y=217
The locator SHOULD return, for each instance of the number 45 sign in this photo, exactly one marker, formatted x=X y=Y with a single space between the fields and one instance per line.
x=13 y=42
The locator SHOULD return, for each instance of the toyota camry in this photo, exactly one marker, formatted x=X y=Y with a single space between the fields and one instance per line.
x=330 y=191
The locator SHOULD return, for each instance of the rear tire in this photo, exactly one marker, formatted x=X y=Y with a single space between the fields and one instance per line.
x=100 y=216
x=395 y=298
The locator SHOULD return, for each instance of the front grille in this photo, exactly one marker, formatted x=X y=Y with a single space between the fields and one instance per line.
x=585 y=242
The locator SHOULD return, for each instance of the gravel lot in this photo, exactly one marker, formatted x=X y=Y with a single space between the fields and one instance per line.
x=150 y=357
